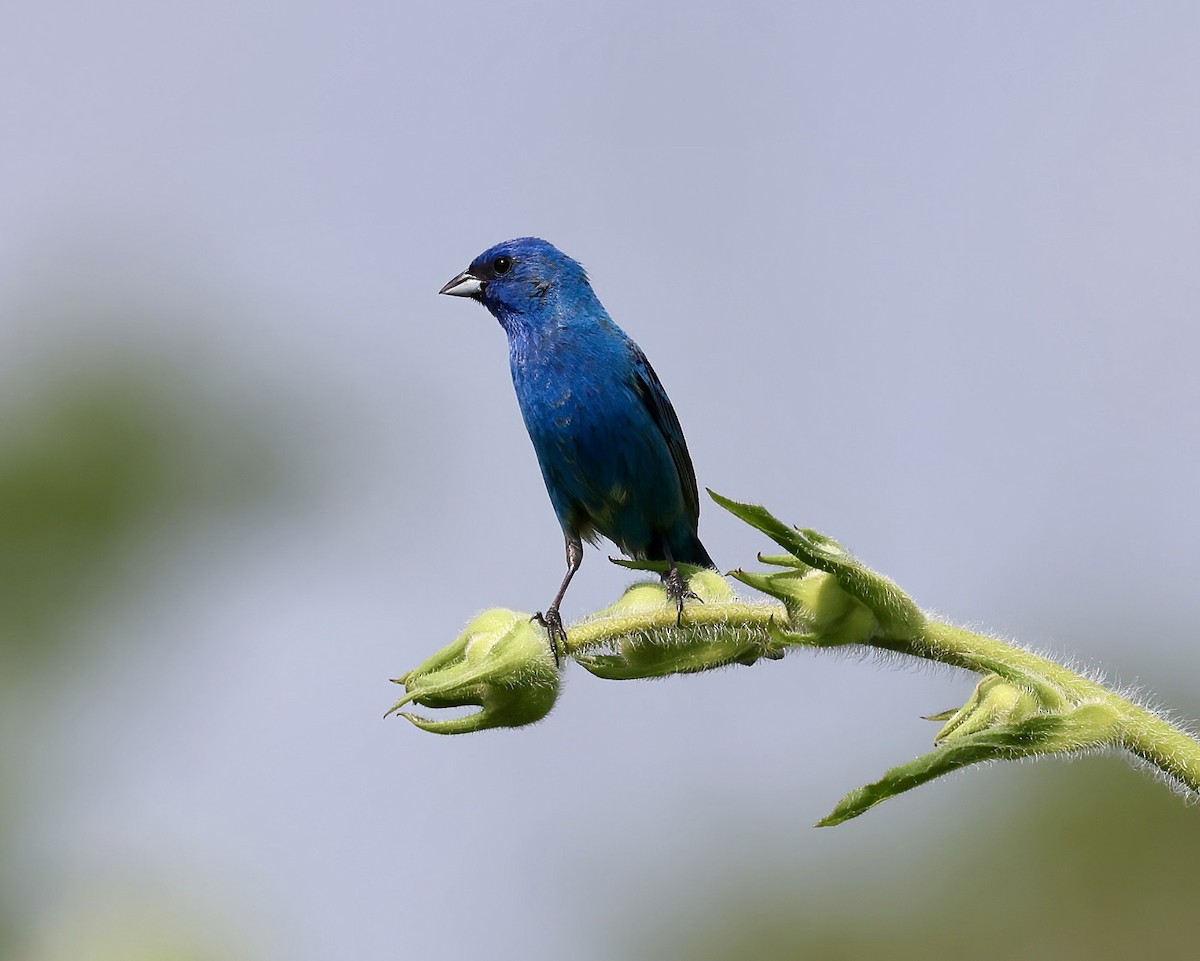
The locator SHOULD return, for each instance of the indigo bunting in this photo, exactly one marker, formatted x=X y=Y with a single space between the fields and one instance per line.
x=608 y=441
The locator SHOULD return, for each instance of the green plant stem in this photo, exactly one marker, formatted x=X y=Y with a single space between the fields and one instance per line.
x=1163 y=745
x=1137 y=729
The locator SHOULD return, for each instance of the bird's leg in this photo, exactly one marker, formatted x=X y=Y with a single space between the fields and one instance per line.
x=678 y=591
x=552 y=620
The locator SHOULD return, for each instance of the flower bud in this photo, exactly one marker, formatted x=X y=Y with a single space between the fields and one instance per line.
x=994 y=701
x=501 y=663
x=817 y=606
x=894 y=613
x=644 y=649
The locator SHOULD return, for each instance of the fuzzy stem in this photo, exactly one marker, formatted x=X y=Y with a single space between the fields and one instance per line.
x=1137 y=729
x=983 y=654
x=1162 y=744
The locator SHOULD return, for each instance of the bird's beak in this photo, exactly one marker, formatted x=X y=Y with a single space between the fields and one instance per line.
x=465 y=284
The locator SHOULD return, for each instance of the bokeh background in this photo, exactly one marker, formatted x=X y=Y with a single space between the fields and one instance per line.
x=923 y=276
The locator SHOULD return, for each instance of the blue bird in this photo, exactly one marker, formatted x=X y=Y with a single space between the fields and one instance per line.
x=608 y=441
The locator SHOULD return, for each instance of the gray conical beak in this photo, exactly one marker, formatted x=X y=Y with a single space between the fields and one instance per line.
x=465 y=284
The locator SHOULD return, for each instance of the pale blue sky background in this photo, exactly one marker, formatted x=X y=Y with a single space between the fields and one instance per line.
x=923 y=276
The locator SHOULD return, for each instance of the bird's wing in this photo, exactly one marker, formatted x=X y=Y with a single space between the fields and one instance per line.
x=650 y=390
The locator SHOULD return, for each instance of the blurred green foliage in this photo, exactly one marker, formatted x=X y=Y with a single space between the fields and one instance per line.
x=104 y=469
x=1079 y=862
x=94 y=462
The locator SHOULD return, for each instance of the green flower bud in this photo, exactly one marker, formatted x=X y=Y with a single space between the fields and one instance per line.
x=703 y=583
x=1002 y=720
x=639 y=647
x=897 y=617
x=819 y=610
x=994 y=701
x=710 y=587
x=501 y=663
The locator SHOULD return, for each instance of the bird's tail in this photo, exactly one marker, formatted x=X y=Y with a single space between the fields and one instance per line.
x=692 y=552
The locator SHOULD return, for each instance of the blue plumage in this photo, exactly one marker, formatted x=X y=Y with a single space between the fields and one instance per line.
x=608 y=441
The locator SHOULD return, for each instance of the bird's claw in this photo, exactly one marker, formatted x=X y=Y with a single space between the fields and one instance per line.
x=678 y=591
x=552 y=622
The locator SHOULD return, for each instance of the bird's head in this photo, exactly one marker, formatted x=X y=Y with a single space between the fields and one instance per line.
x=522 y=277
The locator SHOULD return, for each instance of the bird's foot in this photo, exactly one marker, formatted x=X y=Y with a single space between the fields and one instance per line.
x=678 y=591
x=552 y=622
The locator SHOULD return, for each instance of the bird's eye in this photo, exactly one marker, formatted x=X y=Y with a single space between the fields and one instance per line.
x=502 y=264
